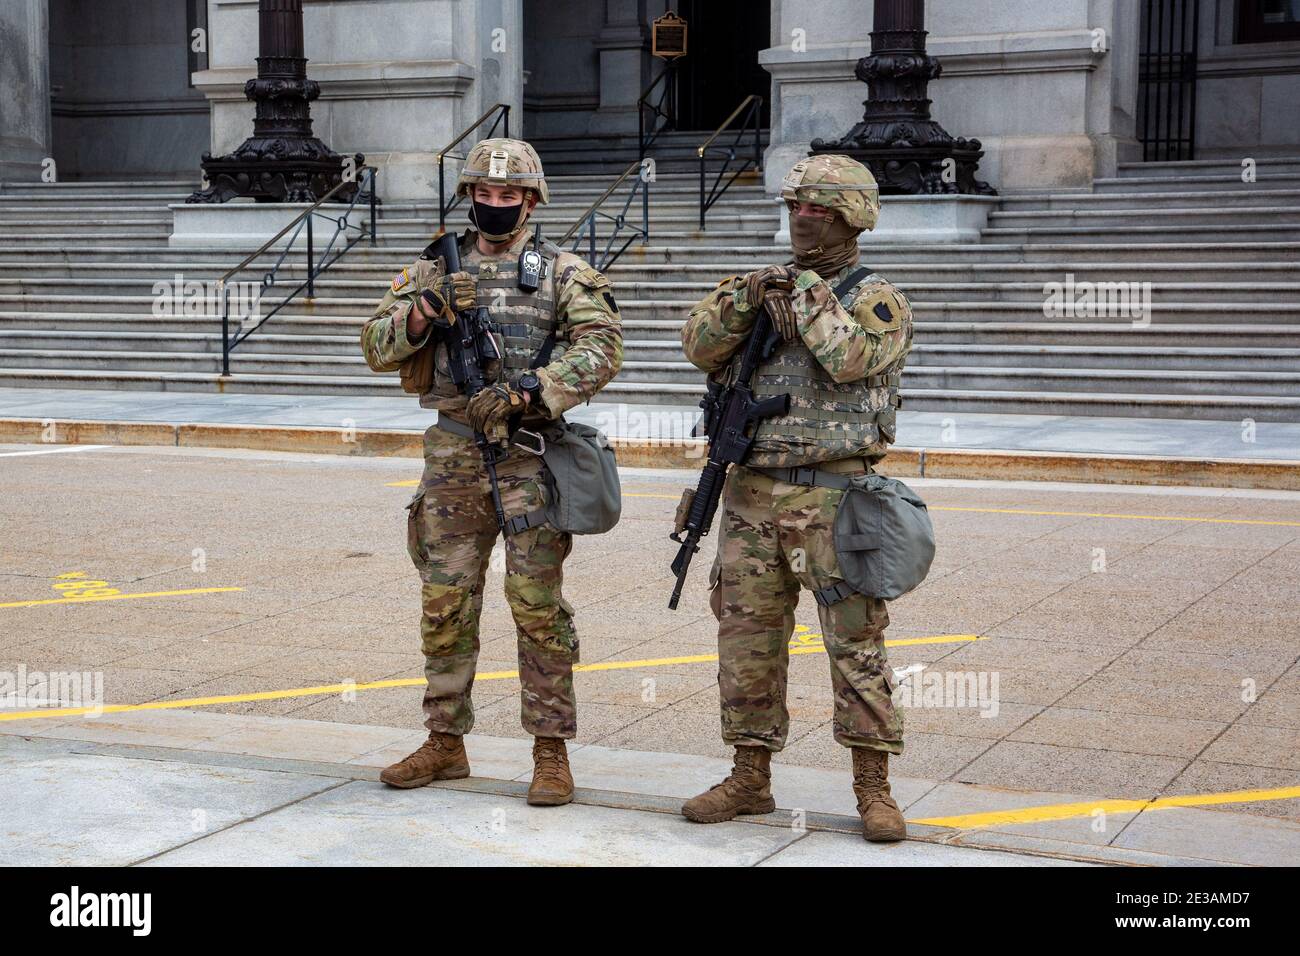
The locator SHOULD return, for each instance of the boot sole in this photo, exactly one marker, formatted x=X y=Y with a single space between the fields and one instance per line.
x=754 y=809
x=891 y=836
x=424 y=781
x=550 y=800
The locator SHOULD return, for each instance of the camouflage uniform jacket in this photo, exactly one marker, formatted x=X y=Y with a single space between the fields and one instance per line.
x=589 y=335
x=843 y=353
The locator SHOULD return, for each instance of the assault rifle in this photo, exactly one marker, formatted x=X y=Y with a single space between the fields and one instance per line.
x=470 y=350
x=731 y=416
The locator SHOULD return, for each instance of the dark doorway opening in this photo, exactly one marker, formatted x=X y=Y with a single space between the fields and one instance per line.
x=1167 y=80
x=721 y=67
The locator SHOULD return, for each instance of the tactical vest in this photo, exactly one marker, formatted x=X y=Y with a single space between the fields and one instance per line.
x=828 y=420
x=526 y=321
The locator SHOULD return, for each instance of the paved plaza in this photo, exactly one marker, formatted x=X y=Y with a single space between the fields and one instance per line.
x=1124 y=661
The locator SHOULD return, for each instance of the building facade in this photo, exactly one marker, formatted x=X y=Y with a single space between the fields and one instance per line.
x=1058 y=91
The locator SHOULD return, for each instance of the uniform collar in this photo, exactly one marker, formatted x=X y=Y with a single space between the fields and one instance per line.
x=512 y=250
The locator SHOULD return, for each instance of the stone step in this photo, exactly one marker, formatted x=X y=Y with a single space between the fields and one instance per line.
x=724 y=258
x=1190 y=182
x=18 y=269
x=1175 y=221
x=1192 y=199
x=1038 y=354
x=1181 y=167
x=151 y=203
x=12 y=231
x=665 y=365
x=93 y=187
x=1262 y=232
x=328 y=311
x=367 y=289
x=1152 y=358
x=663 y=338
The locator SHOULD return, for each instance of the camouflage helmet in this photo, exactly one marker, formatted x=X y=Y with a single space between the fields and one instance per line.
x=503 y=162
x=836 y=182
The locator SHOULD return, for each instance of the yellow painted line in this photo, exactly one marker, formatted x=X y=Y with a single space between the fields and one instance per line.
x=1061 y=514
x=1123 y=517
x=118 y=597
x=802 y=647
x=414 y=482
x=1070 y=811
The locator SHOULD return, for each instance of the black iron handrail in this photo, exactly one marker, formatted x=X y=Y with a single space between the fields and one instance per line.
x=586 y=224
x=665 y=108
x=752 y=107
x=365 y=190
x=445 y=207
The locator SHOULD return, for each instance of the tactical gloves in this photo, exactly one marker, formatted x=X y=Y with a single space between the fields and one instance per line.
x=448 y=295
x=771 y=287
x=758 y=282
x=781 y=312
x=492 y=407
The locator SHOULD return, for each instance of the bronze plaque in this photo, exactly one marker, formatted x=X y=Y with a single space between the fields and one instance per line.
x=668 y=36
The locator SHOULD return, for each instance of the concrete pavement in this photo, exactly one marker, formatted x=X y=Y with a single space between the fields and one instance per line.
x=1138 y=648
x=183 y=788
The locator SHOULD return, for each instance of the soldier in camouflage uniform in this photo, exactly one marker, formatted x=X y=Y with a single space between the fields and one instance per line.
x=845 y=334
x=560 y=345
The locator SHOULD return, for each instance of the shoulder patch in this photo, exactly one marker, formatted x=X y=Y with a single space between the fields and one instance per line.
x=589 y=277
x=880 y=308
x=609 y=300
x=401 y=281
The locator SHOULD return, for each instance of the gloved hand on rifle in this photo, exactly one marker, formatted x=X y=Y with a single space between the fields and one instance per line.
x=771 y=286
x=448 y=295
x=489 y=410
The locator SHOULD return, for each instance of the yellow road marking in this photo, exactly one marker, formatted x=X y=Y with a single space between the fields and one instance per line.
x=1070 y=811
x=1124 y=517
x=403 y=484
x=1058 y=514
x=803 y=646
x=117 y=597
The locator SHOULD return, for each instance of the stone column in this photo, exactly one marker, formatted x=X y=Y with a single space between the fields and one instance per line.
x=398 y=78
x=25 y=81
x=624 y=72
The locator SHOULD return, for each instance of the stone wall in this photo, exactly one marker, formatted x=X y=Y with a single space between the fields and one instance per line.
x=399 y=78
x=1247 y=94
x=25 y=82
x=1053 y=105
x=122 y=104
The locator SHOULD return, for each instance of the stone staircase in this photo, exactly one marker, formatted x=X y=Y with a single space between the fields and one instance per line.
x=79 y=261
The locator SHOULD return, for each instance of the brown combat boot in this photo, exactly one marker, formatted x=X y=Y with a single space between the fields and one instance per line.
x=746 y=790
x=552 y=782
x=882 y=822
x=441 y=757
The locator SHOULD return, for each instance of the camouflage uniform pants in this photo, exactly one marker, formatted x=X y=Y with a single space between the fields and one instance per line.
x=451 y=532
x=776 y=538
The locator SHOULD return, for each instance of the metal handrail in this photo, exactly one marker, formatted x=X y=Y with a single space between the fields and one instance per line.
x=669 y=93
x=586 y=223
x=305 y=218
x=443 y=206
x=751 y=106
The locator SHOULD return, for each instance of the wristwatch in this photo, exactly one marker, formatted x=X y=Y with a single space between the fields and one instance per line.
x=530 y=383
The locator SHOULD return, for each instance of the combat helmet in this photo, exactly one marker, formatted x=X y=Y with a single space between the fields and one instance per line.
x=836 y=182
x=503 y=162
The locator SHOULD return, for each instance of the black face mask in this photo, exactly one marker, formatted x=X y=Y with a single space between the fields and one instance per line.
x=496 y=223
